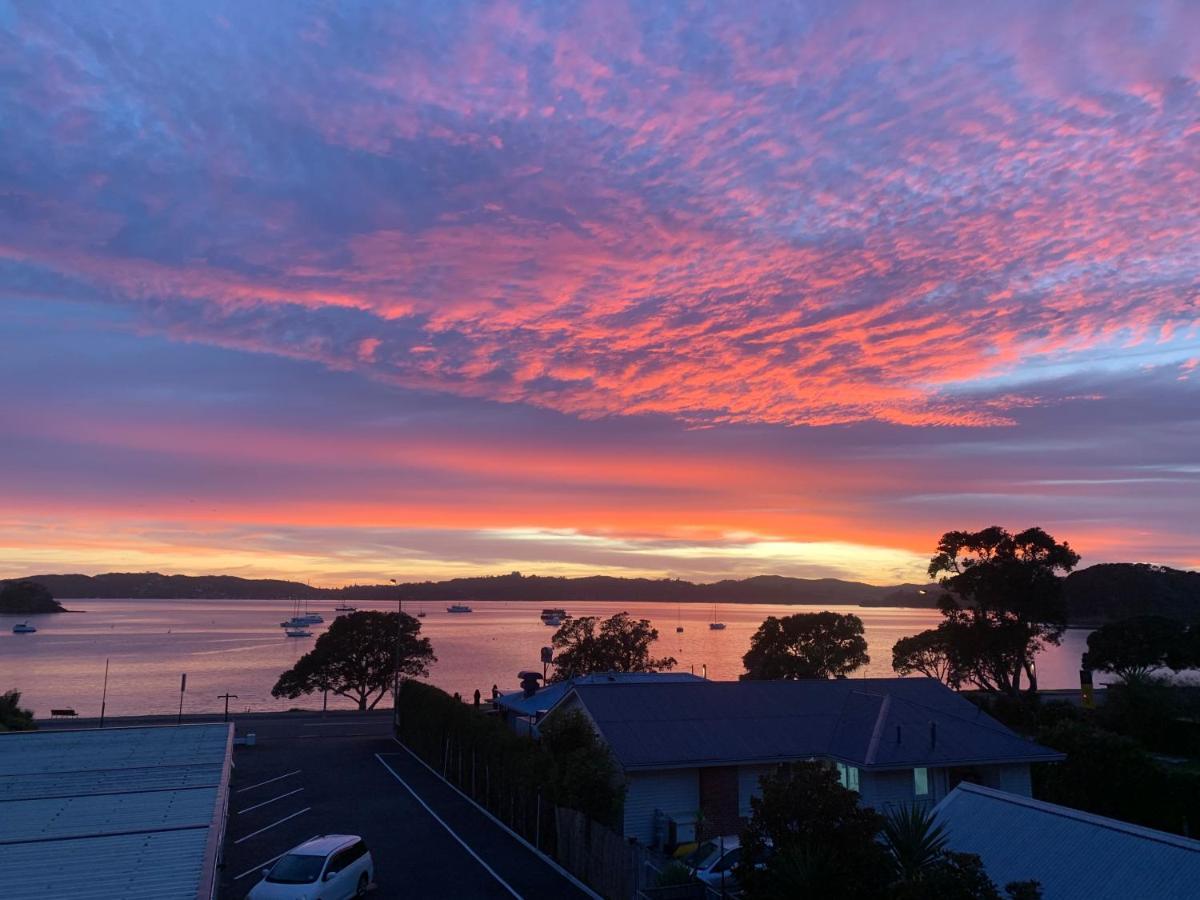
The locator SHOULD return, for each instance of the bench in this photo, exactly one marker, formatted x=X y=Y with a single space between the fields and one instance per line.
x=63 y=714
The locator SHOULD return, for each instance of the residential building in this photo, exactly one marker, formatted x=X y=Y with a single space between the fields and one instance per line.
x=1074 y=855
x=692 y=746
x=524 y=708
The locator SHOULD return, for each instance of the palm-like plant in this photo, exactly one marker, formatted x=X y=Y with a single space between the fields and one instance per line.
x=914 y=838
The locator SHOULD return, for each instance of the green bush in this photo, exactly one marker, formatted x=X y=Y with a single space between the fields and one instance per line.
x=509 y=773
x=12 y=717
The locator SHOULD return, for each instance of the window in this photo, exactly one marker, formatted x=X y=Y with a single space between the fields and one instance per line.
x=921 y=782
x=848 y=776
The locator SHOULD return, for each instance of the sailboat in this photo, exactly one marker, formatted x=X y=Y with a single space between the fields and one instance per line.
x=679 y=614
x=297 y=620
x=714 y=624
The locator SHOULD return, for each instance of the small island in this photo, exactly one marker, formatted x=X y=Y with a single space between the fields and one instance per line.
x=27 y=598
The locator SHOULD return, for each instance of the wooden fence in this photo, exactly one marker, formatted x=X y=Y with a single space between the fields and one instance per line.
x=598 y=856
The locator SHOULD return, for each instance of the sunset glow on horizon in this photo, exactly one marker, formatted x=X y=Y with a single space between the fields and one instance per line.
x=354 y=292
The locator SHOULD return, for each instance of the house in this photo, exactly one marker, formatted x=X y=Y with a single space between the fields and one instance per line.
x=689 y=746
x=1075 y=855
x=522 y=709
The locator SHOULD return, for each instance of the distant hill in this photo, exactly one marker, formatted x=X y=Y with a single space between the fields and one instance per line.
x=533 y=588
x=1110 y=591
x=27 y=598
x=1095 y=595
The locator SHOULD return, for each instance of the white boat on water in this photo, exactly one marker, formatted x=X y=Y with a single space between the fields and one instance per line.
x=552 y=621
x=299 y=631
x=343 y=607
x=459 y=608
x=23 y=628
x=555 y=612
x=714 y=624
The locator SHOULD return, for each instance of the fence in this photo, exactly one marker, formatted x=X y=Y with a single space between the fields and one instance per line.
x=506 y=774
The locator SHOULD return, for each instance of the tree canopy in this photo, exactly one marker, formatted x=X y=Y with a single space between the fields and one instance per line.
x=587 y=645
x=27 y=598
x=12 y=716
x=824 y=844
x=1132 y=648
x=356 y=658
x=930 y=653
x=806 y=645
x=1004 y=602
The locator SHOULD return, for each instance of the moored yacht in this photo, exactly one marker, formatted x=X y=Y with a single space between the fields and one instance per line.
x=23 y=628
x=458 y=608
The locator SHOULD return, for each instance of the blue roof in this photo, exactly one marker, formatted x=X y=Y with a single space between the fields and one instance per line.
x=881 y=723
x=1075 y=855
x=547 y=697
x=113 y=813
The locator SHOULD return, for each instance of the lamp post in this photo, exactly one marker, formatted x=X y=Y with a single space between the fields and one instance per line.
x=396 y=671
x=226 y=697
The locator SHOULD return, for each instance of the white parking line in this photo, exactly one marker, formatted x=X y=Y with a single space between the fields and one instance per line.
x=257 y=868
x=451 y=831
x=272 y=800
x=272 y=825
x=268 y=781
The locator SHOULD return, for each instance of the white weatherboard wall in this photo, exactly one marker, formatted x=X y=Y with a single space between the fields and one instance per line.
x=748 y=786
x=674 y=791
x=885 y=789
x=1012 y=778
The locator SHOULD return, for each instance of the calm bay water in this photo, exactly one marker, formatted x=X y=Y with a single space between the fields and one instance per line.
x=238 y=646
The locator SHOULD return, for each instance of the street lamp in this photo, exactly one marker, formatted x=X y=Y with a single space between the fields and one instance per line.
x=396 y=672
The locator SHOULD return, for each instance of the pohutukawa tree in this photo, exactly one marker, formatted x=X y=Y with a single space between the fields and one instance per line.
x=587 y=645
x=1133 y=648
x=356 y=658
x=1003 y=603
x=806 y=645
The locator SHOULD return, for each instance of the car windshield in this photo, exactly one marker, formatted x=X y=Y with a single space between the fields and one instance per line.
x=702 y=855
x=296 y=868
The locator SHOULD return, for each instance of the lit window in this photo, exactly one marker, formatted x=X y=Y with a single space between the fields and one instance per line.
x=848 y=776
x=921 y=782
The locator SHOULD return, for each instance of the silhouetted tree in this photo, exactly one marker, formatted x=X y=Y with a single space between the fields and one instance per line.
x=806 y=645
x=587 y=645
x=356 y=658
x=27 y=598
x=931 y=653
x=814 y=840
x=1132 y=648
x=1004 y=601
x=12 y=716
x=823 y=843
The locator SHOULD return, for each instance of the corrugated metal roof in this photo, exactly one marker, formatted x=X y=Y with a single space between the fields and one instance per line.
x=1075 y=855
x=122 y=812
x=872 y=723
x=546 y=697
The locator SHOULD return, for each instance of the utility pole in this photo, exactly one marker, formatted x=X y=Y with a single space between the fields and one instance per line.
x=396 y=671
x=226 y=698
x=104 y=693
x=182 y=688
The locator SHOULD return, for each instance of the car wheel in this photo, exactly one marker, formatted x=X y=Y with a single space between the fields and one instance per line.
x=363 y=883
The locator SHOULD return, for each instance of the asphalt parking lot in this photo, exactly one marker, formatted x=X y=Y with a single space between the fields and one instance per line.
x=310 y=775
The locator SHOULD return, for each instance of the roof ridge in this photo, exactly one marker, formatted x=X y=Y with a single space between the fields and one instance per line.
x=1068 y=812
x=877 y=732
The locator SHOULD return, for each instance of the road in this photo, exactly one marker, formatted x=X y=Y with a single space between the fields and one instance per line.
x=310 y=775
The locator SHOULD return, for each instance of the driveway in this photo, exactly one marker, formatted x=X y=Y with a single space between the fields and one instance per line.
x=344 y=773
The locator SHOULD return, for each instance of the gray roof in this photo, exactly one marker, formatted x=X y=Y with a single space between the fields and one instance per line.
x=1075 y=855
x=881 y=723
x=120 y=812
x=546 y=697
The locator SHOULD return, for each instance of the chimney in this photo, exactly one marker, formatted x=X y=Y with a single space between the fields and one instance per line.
x=932 y=734
x=529 y=683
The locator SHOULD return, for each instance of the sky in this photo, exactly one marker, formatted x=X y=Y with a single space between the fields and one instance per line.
x=350 y=291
